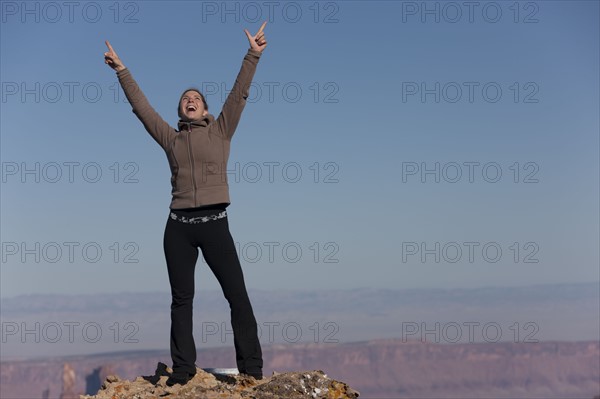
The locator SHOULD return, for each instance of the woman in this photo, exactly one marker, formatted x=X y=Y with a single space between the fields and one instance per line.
x=198 y=152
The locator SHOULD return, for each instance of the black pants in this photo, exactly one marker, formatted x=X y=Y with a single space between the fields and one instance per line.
x=181 y=242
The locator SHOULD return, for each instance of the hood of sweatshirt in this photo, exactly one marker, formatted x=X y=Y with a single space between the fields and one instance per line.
x=187 y=124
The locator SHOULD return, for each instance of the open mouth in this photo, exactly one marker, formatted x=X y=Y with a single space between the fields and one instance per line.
x=190 y=108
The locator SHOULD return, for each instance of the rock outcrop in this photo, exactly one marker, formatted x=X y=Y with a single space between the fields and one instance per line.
x=68 y=382
x=313 y=384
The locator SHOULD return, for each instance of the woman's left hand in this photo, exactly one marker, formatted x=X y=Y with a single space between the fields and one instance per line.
x=257 y=42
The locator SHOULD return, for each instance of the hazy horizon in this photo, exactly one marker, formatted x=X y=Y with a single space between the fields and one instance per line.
x=297 y=290
x=79 y=324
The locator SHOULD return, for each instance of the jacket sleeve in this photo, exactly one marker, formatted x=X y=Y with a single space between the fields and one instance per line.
x=160 y=130
x=236 y=100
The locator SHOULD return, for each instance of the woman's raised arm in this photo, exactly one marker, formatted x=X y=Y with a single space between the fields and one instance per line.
x=231 y=112
x=160 y=130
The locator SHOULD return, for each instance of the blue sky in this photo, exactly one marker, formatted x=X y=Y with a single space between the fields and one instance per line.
x=352 y=103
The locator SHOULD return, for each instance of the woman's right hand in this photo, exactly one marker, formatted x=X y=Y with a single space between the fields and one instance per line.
x=112 y=59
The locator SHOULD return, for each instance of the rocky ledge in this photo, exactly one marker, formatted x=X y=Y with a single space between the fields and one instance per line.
x=306 y=384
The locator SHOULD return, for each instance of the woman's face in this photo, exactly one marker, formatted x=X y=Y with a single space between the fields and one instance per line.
x=191 y=105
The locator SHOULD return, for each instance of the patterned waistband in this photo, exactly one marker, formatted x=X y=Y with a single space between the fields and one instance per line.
x=199 y=219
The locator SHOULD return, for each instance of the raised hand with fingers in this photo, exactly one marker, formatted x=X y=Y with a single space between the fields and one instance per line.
x=112 y=59
x=258 y=41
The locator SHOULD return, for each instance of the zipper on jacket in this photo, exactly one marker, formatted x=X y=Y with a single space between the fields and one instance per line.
x=191 y=160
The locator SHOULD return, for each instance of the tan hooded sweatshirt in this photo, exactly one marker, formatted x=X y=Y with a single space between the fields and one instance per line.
x=197 y=151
